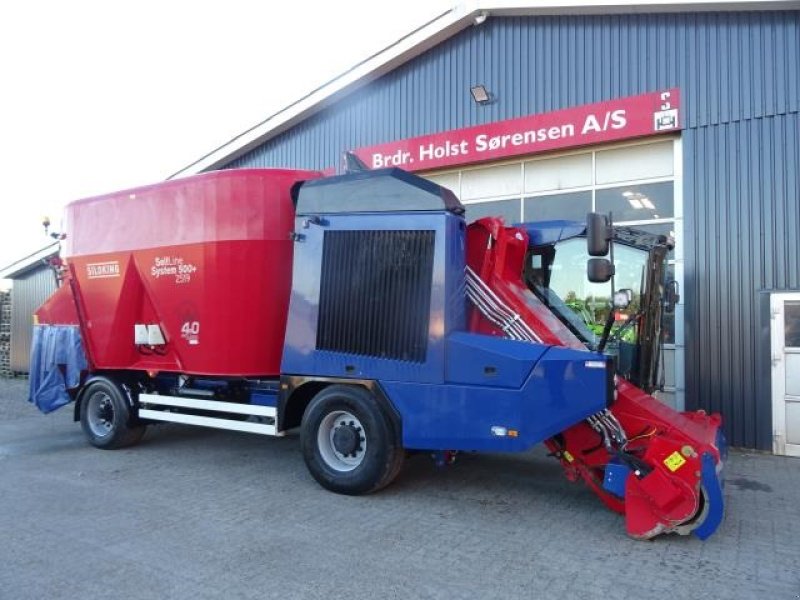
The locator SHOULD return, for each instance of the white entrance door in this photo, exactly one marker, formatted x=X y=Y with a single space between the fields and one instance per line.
x=785 y=336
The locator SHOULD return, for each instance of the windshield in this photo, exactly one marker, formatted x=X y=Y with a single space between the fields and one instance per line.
x=584 y=306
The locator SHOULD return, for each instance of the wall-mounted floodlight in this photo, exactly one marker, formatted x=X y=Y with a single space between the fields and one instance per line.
x=480 y=94
x=481 y=17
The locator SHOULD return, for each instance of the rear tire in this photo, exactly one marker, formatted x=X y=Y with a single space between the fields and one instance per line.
x=106 y=417
x=349 y=444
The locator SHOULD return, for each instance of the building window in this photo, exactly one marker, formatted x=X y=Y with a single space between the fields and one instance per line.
x=507 y=209
x=570 y=206
x=642 y=202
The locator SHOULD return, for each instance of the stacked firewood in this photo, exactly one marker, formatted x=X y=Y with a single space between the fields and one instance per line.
x=5 y=334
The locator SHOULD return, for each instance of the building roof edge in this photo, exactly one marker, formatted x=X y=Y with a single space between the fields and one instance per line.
x=428 y=35
x=25 y=264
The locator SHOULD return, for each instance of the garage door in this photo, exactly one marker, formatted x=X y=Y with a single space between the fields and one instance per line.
x=639 y=183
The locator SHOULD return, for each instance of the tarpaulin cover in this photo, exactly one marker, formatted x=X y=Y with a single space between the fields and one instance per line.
x=57 y=359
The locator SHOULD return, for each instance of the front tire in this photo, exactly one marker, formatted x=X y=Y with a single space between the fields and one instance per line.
x=106 y=417
x=349 y=444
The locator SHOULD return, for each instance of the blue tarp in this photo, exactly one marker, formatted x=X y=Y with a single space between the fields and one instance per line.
x=57 y=359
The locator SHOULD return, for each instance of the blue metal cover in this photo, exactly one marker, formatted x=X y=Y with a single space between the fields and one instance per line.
x=477 y=359
x=303 y=351
x=712 y=486
x=542 y=233
x=614 y=480
x=564 y=387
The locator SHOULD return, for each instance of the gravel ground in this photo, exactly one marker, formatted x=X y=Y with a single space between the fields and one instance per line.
x=194 y=513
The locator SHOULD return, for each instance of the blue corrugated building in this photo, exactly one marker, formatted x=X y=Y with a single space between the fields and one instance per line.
x=517 y=109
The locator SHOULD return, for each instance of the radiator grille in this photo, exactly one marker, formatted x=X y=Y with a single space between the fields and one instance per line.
x=375 y=293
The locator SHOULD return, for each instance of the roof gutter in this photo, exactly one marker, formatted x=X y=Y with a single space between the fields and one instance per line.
x=23 y=265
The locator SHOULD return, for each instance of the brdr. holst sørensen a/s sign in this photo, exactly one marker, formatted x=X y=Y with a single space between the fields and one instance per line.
x=622 y=118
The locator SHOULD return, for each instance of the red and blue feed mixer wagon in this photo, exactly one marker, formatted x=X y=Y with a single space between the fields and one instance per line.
x=363 y=310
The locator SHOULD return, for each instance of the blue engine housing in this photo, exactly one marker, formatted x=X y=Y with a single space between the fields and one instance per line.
x=378 y=294
x=499 y=395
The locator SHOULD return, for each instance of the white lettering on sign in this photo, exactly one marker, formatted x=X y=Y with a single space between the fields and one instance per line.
x=173 y=266
x=614 y=119
x=484 y=142
x=190 y=331
x=447 y=149
x=398 y=159
x=102 y=270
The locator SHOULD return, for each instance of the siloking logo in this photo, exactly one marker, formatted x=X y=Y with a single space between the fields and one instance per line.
x=103 y=270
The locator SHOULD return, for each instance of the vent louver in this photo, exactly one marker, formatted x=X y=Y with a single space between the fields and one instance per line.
x=375 y=293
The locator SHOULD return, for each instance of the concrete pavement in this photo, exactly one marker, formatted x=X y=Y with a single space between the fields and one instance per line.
x=195 y=513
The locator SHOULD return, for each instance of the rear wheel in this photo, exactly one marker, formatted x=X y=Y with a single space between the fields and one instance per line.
x=348 y=442
x=106 y=417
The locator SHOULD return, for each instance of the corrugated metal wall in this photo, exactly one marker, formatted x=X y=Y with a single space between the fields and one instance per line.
x=30 y=291
x=730 y=66
x=742 y=229
x=740 y=83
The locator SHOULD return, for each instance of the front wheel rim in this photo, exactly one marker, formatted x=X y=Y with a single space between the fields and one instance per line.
x=100 y=414
x=342 y=441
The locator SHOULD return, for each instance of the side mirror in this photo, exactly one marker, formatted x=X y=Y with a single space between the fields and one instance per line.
x=599 y=270
x=597 y=234
x=623 y=298
x=671 y=297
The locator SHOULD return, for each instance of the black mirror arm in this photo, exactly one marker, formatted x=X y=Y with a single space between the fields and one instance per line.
x=606 y=330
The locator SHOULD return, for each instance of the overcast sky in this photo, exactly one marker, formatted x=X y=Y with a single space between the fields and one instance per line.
x=100 y=96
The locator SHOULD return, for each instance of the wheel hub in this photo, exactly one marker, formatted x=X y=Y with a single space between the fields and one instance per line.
x=341 y=440
x=347 y=438
x=100 y=414
x=105 y=413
